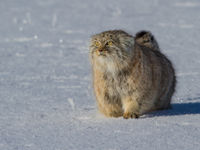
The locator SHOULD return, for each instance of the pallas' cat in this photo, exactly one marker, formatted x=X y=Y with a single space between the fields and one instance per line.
x=130 y=77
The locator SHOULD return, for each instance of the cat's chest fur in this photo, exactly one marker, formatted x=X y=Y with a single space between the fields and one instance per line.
x=117 y=83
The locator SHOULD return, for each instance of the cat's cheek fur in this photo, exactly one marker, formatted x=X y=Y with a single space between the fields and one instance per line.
x=106 y=64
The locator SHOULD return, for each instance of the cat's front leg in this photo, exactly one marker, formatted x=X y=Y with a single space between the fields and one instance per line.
x=130 y=107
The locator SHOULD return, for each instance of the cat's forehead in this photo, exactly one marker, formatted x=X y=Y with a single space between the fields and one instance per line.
x=112 y=34
x=104 y=36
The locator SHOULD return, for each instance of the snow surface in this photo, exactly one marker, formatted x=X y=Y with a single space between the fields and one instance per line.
x=46 y=98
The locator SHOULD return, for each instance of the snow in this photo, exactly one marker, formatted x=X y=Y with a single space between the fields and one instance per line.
x=46 y=98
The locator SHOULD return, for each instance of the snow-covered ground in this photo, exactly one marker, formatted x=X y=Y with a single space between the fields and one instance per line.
x=46 y=98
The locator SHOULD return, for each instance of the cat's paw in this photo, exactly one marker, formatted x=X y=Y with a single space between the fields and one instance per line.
x=128 y=115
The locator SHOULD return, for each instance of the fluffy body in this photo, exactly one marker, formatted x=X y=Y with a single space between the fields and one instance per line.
x=129 y=78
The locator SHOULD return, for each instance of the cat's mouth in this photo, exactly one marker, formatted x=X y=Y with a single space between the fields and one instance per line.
x=102 y=52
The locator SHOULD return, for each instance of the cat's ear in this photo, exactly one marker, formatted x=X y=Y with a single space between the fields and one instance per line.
x=94 y=37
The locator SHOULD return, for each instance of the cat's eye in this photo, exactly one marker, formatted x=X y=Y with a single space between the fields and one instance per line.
x=97 y=44
x=110 y=43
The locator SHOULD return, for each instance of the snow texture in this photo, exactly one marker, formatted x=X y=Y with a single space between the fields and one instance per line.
x=46 y=97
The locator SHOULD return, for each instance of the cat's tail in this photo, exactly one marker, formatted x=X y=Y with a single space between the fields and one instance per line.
x=146 y=38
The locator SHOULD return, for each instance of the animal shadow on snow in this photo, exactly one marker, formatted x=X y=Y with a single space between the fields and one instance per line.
x=179 y=109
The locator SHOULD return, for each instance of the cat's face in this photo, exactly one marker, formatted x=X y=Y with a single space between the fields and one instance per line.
x=112 y=50
x=111 y=45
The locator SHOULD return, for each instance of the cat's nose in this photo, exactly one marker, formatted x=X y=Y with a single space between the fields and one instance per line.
x=100 y=51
